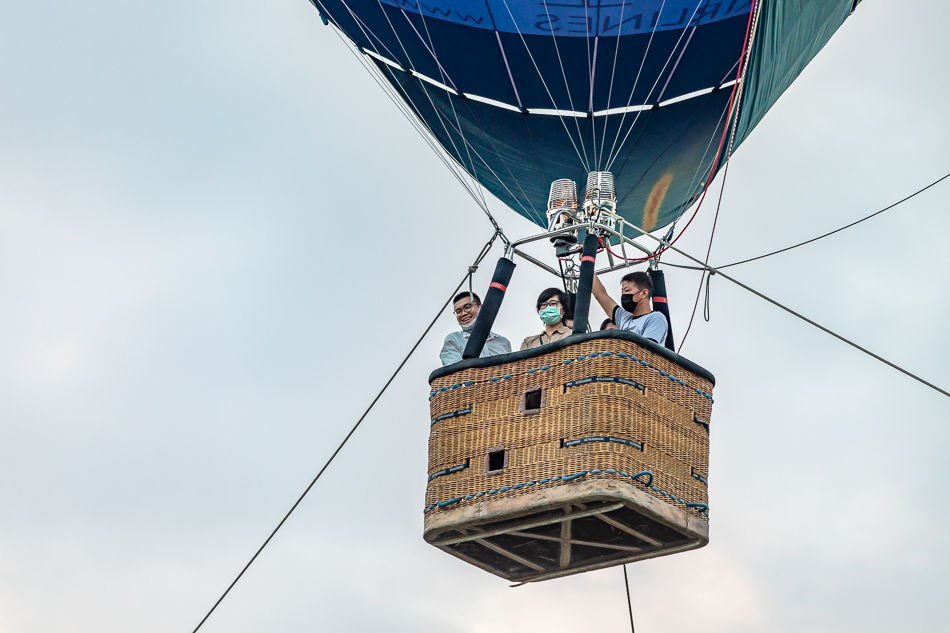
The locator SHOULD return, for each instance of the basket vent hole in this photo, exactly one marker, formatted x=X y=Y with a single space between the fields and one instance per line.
x=532 y=400
x=496 y=460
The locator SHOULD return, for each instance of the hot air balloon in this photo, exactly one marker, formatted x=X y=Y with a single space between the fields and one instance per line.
x=591 y=451
x=524 y=93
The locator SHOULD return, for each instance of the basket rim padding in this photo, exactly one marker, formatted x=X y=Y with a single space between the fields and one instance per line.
x=574 y=339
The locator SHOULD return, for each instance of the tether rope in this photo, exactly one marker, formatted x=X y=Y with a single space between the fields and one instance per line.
x=847 y=226
x=832 y=333
x=481 y=256
x=814 y=239
x=626 y=584
x=821 y=327
x=712 y=234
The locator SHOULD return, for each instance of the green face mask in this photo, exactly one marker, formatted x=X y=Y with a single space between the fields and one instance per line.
x=550 y=315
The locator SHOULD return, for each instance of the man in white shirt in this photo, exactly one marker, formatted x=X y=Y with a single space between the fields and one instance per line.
x=634 y=313
x=467 y=306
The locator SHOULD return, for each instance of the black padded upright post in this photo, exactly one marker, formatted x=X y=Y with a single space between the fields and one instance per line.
x=661 y=305
x=584 y=283
x=489 y=310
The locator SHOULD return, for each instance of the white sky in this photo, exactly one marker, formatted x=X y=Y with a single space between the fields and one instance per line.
x=218 y=238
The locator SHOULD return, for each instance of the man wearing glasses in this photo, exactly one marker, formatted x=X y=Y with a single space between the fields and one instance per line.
x=467 y=306
x=634 y=313
x=552 y=305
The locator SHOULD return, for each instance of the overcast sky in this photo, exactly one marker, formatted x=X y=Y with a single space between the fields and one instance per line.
x=218 y=238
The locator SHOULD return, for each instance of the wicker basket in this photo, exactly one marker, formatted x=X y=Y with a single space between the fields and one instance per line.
x=585 y=453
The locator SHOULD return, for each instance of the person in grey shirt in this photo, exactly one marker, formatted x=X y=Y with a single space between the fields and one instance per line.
x=634 y=313
x=467 y=306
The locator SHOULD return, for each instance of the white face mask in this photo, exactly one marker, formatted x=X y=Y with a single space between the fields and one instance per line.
x=469 y=327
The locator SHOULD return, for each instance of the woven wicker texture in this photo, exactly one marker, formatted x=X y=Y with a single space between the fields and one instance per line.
x=638 y=411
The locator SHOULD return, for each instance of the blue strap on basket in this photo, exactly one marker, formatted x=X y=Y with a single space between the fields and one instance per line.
x=447 y=471
x=469 y=383
x=452 y=414
x=602 y=438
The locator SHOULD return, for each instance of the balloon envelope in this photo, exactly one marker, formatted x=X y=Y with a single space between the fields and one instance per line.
x=524 y=93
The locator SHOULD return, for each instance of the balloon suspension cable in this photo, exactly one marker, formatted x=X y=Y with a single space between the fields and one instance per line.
x=498 y=230
x=568 y=267
x=718 y=271
x=425 y=132
x=740 y=83
x=482 y=254
x=655 y=260
x=728 y=131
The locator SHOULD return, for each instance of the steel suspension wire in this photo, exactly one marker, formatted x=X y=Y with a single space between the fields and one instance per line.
x=544 y=84
x=610 y=86
x=475 y=190
x=699 y=166
x=567 y=88
x=368 y=35
x=591 y=68
x=611 y=156
x=838 y=230
x=732 y=107
x=470 y=270
x=442 y=121
x=423 y=131
x=458 y=124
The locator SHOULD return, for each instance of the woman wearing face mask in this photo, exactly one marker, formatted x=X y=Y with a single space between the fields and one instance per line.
x=551 y=305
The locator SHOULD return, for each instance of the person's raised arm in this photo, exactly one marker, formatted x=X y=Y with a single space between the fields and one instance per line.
x=600 y=293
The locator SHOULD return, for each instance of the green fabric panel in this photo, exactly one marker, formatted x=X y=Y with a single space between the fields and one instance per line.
x=789 y=35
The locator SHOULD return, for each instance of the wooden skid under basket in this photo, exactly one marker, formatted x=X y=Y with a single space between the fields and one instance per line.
x=576 y=527
x=583 y=454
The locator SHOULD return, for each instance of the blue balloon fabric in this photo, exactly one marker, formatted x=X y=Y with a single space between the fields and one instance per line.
x=521 y=93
